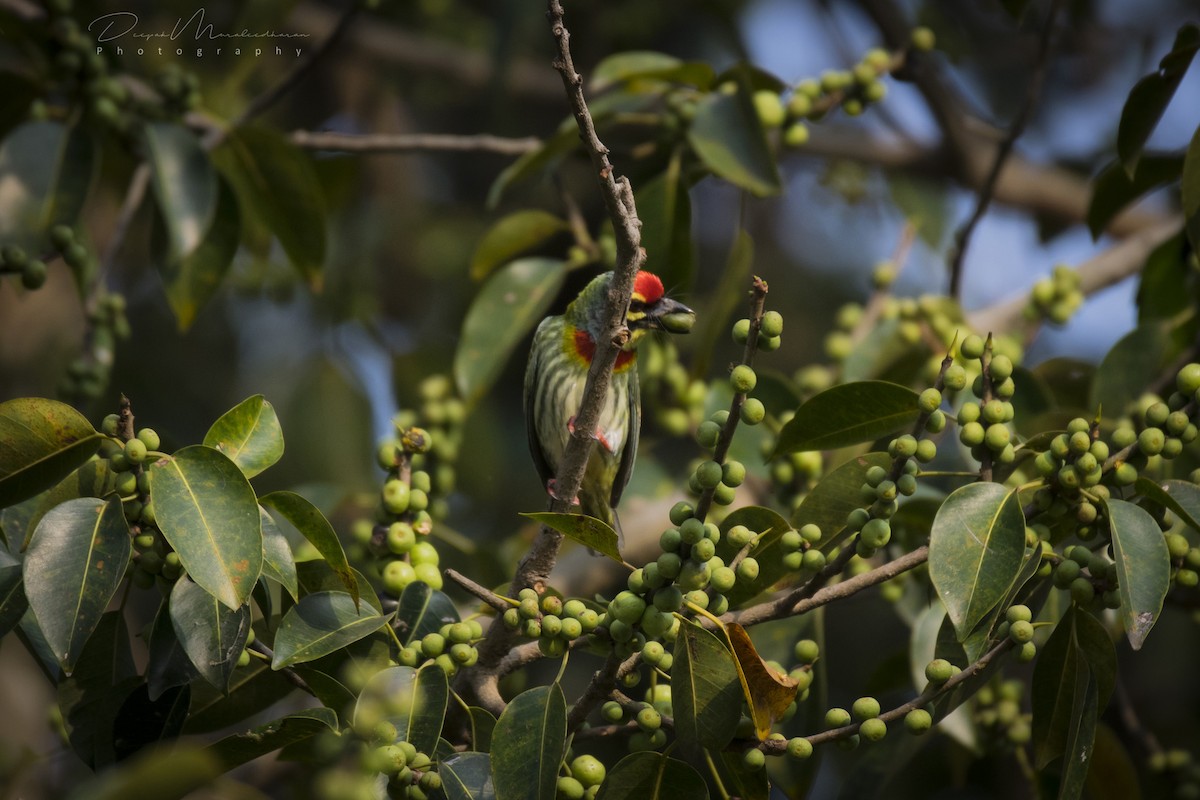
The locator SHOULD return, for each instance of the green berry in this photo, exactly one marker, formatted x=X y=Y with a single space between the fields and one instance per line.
x=929 y=400
x=918 y=721
x=939 y=670
x=873 y=730
x=743 y=379
x=972 y=346
x=1188 y=379
x=923 y=39
x=753 y=411
x=754 y=759
x=837 y=717
x=1021 y=631
x=799 y=748
x=865 y=708
x=135 y=451
x=772 y=323
x=806 y=651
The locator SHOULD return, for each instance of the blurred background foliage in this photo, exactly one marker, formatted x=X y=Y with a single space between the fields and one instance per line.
x=338 y=354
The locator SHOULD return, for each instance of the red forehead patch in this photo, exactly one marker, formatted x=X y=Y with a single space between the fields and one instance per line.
x=648 y=286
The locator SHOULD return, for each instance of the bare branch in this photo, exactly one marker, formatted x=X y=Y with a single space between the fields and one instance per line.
x=986 y=192
x=382 y=143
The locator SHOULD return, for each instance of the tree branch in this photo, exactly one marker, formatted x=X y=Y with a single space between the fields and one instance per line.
x=371 y=143
x=986 y=192
x=534 y=568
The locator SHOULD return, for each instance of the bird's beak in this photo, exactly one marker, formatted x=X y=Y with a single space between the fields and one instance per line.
x=672 y=316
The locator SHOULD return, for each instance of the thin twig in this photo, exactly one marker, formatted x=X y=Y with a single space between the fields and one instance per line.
x=963 y=238
x=134 y=194
x=482 y=592
x=534 y=568
x=601 y=686
x=382 y=143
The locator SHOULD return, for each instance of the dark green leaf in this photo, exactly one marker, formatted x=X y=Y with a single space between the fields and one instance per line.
x=1150 y=96
x=1133 y=363
x=317 y=576
x=590 y=531
x=320 y=624
x=313 y=526
x=983 y=636
x=1189 y=188
x=876 y=352
x=652 y=776
x=1077 y=757
x=1182 y=498
x=141 y=722
x=93 y=479
x=208 y=513
x=511 y=236
x=211 y=634
x=414 y=700
x=848 y=414
x=249 y=434
x=167 y=772
x=1079 y=646
x=507 y=308
x=329 y=690
x=1114 y=188
x=190 y=280
x=75 y=563
x=665 y=209
x=1167 y=283
x=623 y=67
x=1143 y=568
x=241 y=748
x=729 y=139
x=422 y=611
x=41 y=442
x=46 y=169
x=34 y=640
x=746 y=783
x=537 y=162
x=1112 y=775
x=706 y=695
x=275 y=180
x=528 y=744
x=482 y=726
x=835 y=496
x=92 y=696
x=169 y=664
x=185 y=186
x=17 y=93
x=467 y=776
x=771 y=527
x=976 y=549
x=252 y=690
x=278 y=562
x=13 y=603
x=714 y=319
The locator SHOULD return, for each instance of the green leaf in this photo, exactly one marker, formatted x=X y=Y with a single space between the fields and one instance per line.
x=590 y=531
x=665 y=209
x=1112 y=775
x=622 y=67
x=185 y=186
x=74 y=565
x=276 y=181
x=1167 y=283
x=482 y=726
x=467 y=776
x=423 y=610
x=706 y=695
x=729 y=139
x=833 y=498
x=528 y=744
x=1078 y=648
x=1143 y=567
x=976 y=548
x=847 y=414
x=511 y=236
x=1077 y=757
x=93 y=479
x=1189 y=188
x=166 y=772
x=92 y=696
x=1134 y=362
x=537 y=162
x=1114 y=188
x=47 y=170
x=279 y=564
x=249 y=433
x=241 y=748
x=771 y=527
x=252 y=690
x=652 y=776
x=320 y=624
x=191 y=279
x=983 y=636
x=508 y=306
x=414 y=700
x=926 y=205
x=1182 y=498
x=41 y=442
x=212 y=635
x=169 y=664
x=141 y=722
x=746 y=783
x=208 y=513
x=317 y=576
x=313 y=526
x=714 y=318
x=1150 y=96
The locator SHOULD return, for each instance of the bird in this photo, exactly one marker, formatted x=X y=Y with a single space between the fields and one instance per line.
x=555 y=374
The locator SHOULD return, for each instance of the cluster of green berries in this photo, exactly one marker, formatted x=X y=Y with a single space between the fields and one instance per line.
x=1185 y=561
x=441 y=415
x=451 y=648
x=152 y=558
x=1057 y=297
x=1089 y=576
x=179 y=88
x=984 y=425
x=1018 y=626
x=15 y=261
x=647 y=716
x=852 y=90
x=1073 y=468
x=553 y=622
x=676 y=397
x=1178 y=768
x=796 y=473
x=88 y=373
x=997 y=714
x=411 y=774
x=584 y=774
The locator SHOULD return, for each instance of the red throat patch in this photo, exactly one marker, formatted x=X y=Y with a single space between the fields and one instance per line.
x=648 y=286
x=585 y=348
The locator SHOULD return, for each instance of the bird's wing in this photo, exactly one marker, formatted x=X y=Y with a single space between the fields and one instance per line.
x=533 y=368
x=629 y=452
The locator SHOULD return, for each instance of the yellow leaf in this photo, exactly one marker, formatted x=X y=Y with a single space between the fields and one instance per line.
x=768 y=693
